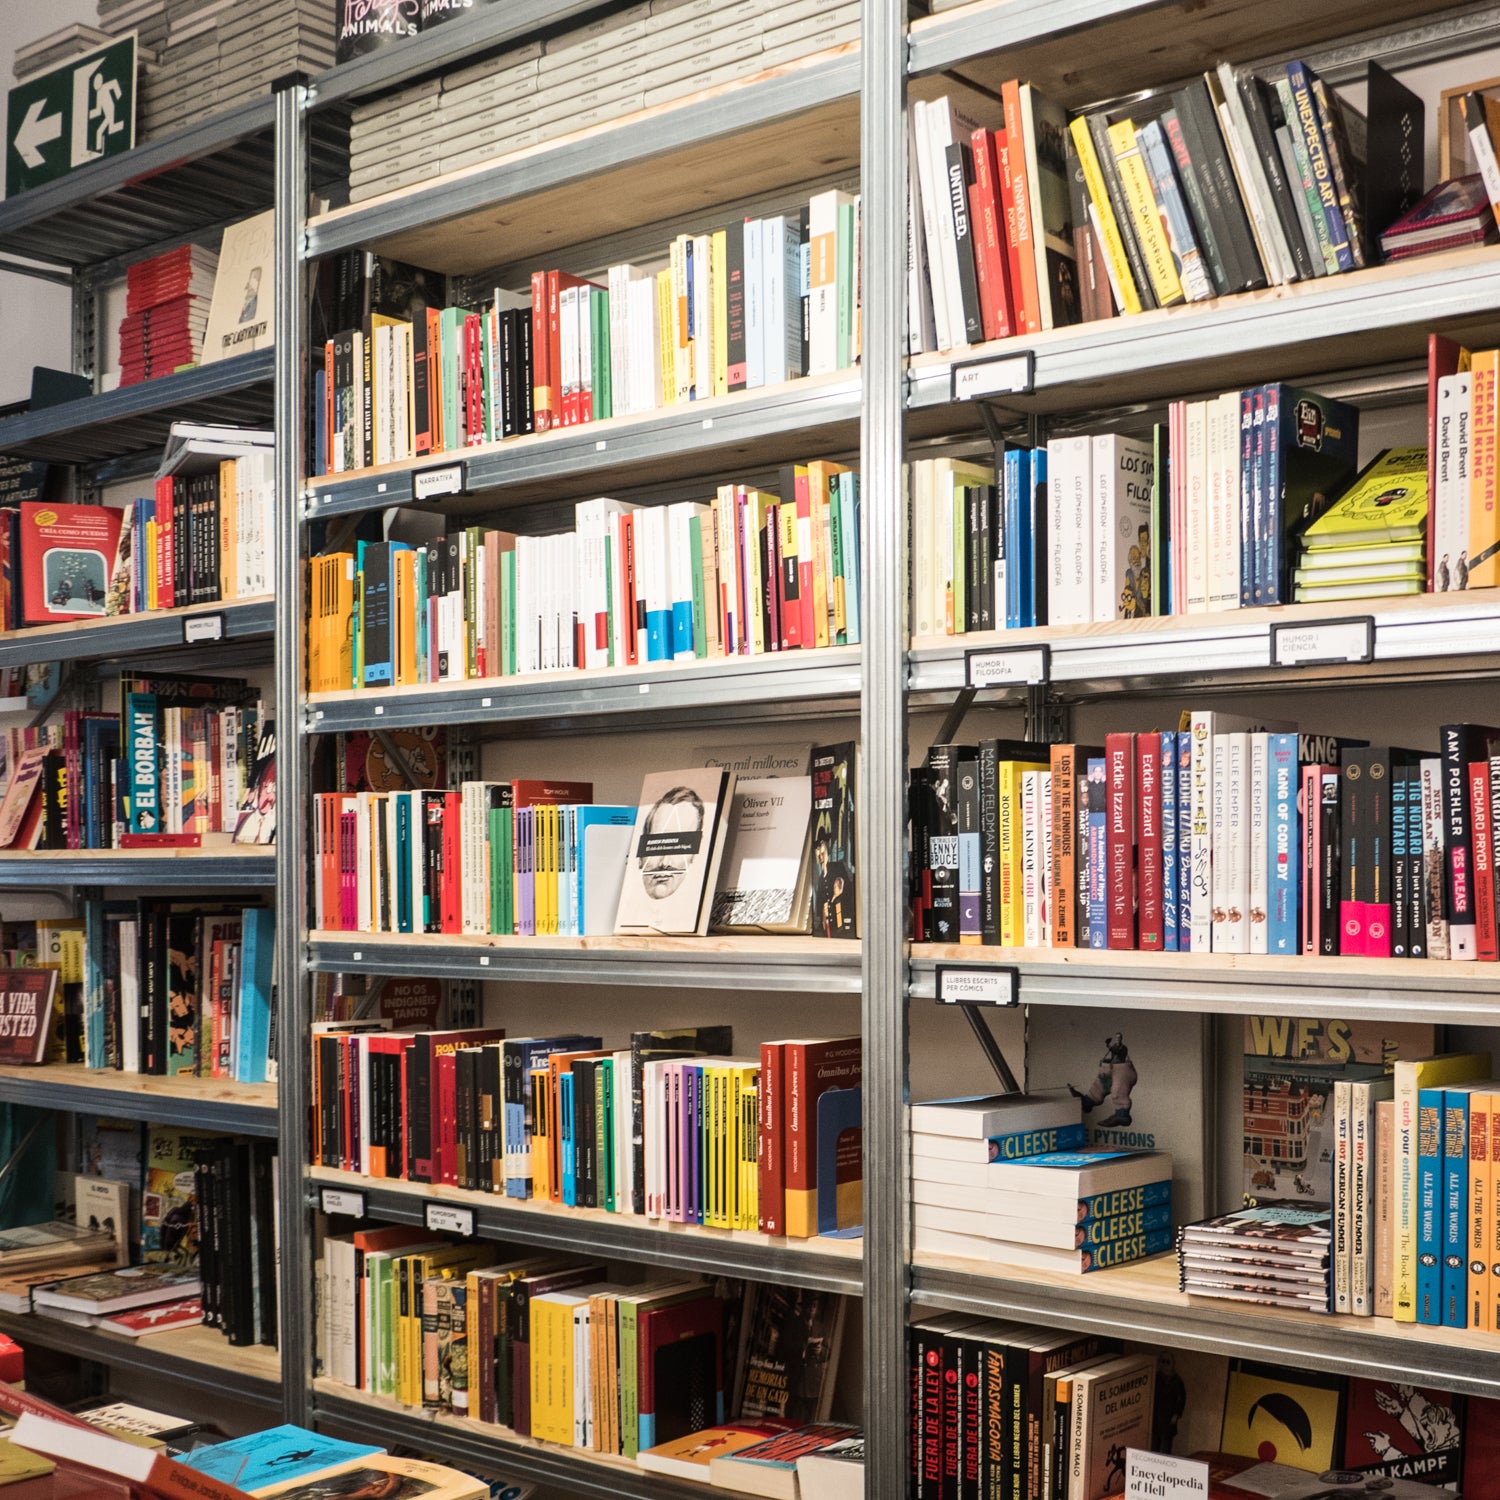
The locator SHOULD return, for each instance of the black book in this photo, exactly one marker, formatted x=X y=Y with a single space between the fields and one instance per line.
x=375 y=614
x=1259 y=112
x=463 y=1112
x=1401 y=870
x=264 y=1166
x=419 y=1082
x=944 y=761
x=509 y=354
x=421 y=378
x=968 y=846
x=989 y=843
x=1109 y=169
x=920 y=819
x=525 y=416
x=734 y=298
x=1392 y=181
x=585 y=1190
x=960 y=169
x=343 y=400
x=489 y=1113
x=181 y=540
x=152 y=968
x=1329 y=875
x=663 y=1046
x=1210 y=175
x=1416 y=865
x=207 y=1268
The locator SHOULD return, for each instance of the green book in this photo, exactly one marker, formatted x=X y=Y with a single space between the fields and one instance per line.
x=451 y=342
x=472 y=537
x=604 y=1136
x=844 y=248
x=609 y=593
x=836 y=564
x=604 y=396
x=700 y=621
x=502 y=870
x=508 y=613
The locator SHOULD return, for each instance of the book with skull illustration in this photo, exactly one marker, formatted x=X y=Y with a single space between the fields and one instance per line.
x=675 y=852
x=1141 y=1080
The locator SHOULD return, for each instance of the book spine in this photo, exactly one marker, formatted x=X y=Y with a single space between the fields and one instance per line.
x=1283 y=857
x=1167 y=772
x=771 y=1172
x=1098 y=800
x=1455 y=1258
x=1429 y=1230
x=1484 y=866
x=1384 y=1248
x=1479 y=1215
x=1148 y=825
x=1342 y=1204
x=1458 y=849
x=1362 y=1171
x=1120 y=846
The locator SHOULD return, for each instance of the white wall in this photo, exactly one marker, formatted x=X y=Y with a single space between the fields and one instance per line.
x=34 y=315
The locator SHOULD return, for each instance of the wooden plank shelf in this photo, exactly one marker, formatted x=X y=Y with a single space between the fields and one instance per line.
x=208 y=1104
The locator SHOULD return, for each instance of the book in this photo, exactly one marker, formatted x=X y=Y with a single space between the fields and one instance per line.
x=240 y=315
x=689 y=1457
x=765 y=885
x=835 y=891
x=1112 y=1412
x=276 y=1455
x=108 y=1292
x=162 y=1317
x=790 y=1355
x=678 y=846
x=27 y=999
x=770 y=1468
x=67 y=561
x=383 y=1473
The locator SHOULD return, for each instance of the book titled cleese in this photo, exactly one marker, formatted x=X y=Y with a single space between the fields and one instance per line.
x=26 y=997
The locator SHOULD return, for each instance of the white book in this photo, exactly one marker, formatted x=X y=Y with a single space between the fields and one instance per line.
x=1450 y=500
x=1197 y=506
x=624 y=1134
x=703 y=318
x=1044 y=785
x=932 y=195
x=1364 y=1095
x=1070 y=599
x=942 y=130
x=679 y=555
x=823 y=292
x=1235 y=797
x=1432 y=857
x=1260 y=824
x=1223 y=508
x=755 y=304
x=1031 y=906
x=1250 y=175
x=1341 y=1196
x=781 y=339
x=1121 y=477
x=980 y=1116
x=921 y=330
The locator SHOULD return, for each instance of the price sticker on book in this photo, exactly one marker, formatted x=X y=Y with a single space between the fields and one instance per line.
x=448 y=1217
x=1324 y=643
x=343 y=1201
x=1161 y=1476
x=198 y=628
x=1004 y=375
x=998 y=984
x=1007 y=666
x=431 y=484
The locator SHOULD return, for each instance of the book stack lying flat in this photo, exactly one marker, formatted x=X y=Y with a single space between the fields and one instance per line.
x=54 y=49
x=258 y=44
x=166 y=311
x=85 y=1300
x=1002 y=1178
x=645 y=55
x=1277 y=1256
x=1371 y=542
x=147 y=18
x=1455 y=214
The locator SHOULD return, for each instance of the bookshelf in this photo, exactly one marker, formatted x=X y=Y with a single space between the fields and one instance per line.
x=229 y=866
x=211 y=1104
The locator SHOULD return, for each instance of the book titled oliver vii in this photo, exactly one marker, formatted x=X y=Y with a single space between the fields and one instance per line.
x=26 y=997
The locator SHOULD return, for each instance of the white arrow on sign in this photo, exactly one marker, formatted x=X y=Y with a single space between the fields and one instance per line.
x=37 y=130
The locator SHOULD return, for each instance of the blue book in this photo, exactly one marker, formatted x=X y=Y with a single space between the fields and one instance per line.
x=267 y=1458
x=1429 y=1206
x=1104 y=1231
x=320 y=421
x=1283 y=846
x=566 y=1150
x=1306 y=119
x=257 y=949
x=518 y=1057
x=142 y=769
x=604 y=1071
x=1184 y=840
x=1169 y=793
x=1020 y=1143
x=101 y=750
x=1455 y=1269
x=1017 y=474
x=1034 y=544
x=1248 y=570
x=1098 y=914
x=1110 y=1205
x=846 y=486
x=93 y=984
x=602 y=844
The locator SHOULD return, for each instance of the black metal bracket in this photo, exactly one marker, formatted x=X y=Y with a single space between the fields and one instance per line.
x=990 y=1047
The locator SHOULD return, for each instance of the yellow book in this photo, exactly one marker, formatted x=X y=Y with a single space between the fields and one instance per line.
x=1484 y=523
x=1412 y=1075
x=151 y=589
x=819 y=487
x=1387 y=502
x=1145 y=217
x=552 y=1365
x=541 y=1136
x=1012 y=907
x=749 y=1214
x=229 y=505
x=718 y=284
x=758 y=504
x=666 y=322
x=1109 y=228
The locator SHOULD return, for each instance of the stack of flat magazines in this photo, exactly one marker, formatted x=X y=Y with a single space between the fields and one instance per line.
x=1276 y=1256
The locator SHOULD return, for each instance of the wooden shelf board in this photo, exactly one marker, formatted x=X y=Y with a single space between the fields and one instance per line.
x=74 y=633
x=144 y=1085
x=789 y=948
x=225 y=850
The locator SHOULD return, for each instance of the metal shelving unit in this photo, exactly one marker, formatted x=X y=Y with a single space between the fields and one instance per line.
x=229 y=868
x=209 y=1104
x=134 y=635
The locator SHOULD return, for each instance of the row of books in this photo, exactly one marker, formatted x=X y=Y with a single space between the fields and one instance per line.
x=539 y=858
x=758 y=302
x=672 y=1127
x=745 y=574
x=1071 y=1404
x=235 y=1189
x=1229 y=183
x=1226 y=835
x=638 y=57
x=1008 y=1178
x=187 y=762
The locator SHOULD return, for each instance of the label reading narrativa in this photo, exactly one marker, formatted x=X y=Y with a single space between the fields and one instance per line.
x=449 y=1218
x=202 y=628
x=1007 y=666
x=428 y=484
x=1160 y=1476
x=998 y=985
x=1327 y=641
x=343 y=1201
x=1004 y=375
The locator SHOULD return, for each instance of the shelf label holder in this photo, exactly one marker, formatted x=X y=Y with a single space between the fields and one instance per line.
x=1007 y=666
x=449 y=1218
x=1324 y=643
x=1000 y=375
x=432 y=484
x=199 y=628
x=342 y=1201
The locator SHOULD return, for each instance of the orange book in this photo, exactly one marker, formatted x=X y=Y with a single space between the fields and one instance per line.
x=1481 y=1307
x=557 y=1064
x=1484 y=522
x=1017 y=203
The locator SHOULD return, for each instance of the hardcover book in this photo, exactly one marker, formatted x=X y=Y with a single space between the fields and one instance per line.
x=67 y=561
x=678 y=844
x=790 y=1353
x=765 y=881
x=835 y=894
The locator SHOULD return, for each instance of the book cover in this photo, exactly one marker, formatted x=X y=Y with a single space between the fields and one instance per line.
x=67 y=561
x=387 y=1476
x=239 y=316
x=835 y=893
x=1403 y=1431
x=273 y=1457
x=27 y=1001
x=763 y=887
x=679 y=839
x=812 y=1069
x=790 y=1354
x=1283 y=1416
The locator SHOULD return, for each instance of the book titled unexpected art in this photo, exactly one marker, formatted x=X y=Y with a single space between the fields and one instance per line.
x=675 y=852
x=239 y=317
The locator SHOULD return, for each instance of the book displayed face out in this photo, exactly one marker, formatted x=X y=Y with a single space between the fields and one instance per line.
x=675 y=851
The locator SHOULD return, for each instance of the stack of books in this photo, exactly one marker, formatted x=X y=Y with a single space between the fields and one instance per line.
x=1453 y=216
x=258 y=44
x=166 y=312
x=55 y=48
x=1371 y=542
x=1004 y=1178
x=639 y=57
x=85 y=1301
x=1275 y=1256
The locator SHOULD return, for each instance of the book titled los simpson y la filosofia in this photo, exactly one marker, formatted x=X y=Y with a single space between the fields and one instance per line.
x=675 y=852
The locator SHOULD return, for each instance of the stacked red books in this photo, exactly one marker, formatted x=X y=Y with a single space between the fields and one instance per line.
x=166 y=309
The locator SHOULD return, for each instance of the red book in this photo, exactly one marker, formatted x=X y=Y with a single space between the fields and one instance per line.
x=806 y=555
x=629 y=602
x=1148 y=773
x=1119 y=840
x=771 y=1158
x=160 y=841
x=812 y=1068
x=533 y=793
x=67 y=560
x=1484 y=860
x=661 y=1333
x=543 y=396
x=473 y=381
x=990 y=239
x=28 y=996
x=451 y=905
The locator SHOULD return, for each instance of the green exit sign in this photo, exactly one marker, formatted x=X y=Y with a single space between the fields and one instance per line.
x=81 y=112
